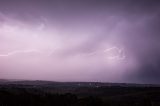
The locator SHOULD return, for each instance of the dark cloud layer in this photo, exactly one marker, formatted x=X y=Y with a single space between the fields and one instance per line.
x=85 y=26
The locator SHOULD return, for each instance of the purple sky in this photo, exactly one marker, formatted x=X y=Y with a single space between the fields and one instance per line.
x=80 y=40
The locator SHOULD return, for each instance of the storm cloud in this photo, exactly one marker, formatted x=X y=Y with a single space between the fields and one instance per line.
x=80 y=40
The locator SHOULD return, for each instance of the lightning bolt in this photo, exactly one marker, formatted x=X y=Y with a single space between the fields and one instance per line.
x=18 y=52
x=120 y=53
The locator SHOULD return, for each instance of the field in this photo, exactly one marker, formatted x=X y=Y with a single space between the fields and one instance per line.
x=48 y=93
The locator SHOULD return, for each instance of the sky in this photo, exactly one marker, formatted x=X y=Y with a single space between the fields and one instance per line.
x=80 y=40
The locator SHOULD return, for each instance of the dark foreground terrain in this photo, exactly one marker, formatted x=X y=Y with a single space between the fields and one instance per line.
x=46 y=93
